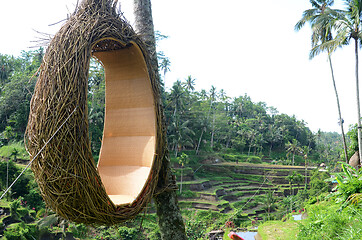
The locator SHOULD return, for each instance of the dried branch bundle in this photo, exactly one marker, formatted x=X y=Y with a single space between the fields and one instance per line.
x=65 y=170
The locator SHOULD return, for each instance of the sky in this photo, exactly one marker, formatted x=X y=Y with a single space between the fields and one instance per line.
x=242 y=47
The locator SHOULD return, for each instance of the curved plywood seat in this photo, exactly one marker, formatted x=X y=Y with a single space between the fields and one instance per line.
x=128 y=145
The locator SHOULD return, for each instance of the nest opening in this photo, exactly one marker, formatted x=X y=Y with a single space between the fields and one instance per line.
x=128 y=143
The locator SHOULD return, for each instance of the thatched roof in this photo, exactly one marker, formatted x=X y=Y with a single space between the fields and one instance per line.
x=65 y=169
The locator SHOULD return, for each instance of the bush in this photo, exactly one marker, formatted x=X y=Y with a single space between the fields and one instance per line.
x=21 y=231
x=195 y=229
x=106 y=233
x=127 y=233
x=318 y=184
x=351 y=187
x=187 y=194
x=34 y=199
x=12 y=149
x=230 y=157
x=325 y=222
x=79 y=230
x=254 y=159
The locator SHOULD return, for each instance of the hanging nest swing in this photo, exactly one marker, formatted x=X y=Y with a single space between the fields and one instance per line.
x=133 y=140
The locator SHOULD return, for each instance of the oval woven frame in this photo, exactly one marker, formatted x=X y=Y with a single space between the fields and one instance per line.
x=65 y=170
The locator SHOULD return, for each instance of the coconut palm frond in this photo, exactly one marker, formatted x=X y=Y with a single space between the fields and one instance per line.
x=355 y=198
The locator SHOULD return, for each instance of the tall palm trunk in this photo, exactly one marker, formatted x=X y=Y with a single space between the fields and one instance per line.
x=203 y=129
x=358 y=102
x=213 y=131
x=339 y=110
x=169 y=216
x=199 y=142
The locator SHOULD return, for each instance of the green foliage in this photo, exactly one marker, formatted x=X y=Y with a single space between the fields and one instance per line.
x=79 y=230
x=330 y=147
x=21 y=231
x=210 y=121
x=188 y=194
x=106 y=233
x=15 y=94
x=14 y=206
x=254 y=159
x=349 y=183
x=286 y=230
x=96 y=104
x=240 y=218
x=318 y=184
x=325 y=222
x=24 y=187
x=33 y=198
x=288 y=204
x=127 y=233
x=353 y=140
x=199 y=223
x=183 y=159
x=15 y=149
x=12 y=170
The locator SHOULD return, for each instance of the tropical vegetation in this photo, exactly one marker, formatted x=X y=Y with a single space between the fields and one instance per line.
x=238 y=163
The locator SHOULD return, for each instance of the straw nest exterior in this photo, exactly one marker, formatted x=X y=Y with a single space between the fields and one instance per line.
x=65 y=169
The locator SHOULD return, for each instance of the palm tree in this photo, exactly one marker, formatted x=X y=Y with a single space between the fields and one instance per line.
x=320 y=18
x=270 y=201
x=293 y=148
x=350 y=28
x=169 y=215
x=189 y=83
x=213 y=96
x=180 y=135
x=252 y=133
x=306 y=150
x=165 y=67
x=274 y=136
x=290 y=179
x=176 y=97
x=298 y=179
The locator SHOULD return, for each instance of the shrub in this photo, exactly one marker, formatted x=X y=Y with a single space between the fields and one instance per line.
x=79 y=230
x=188 y=194
x=21 y=231
x=34 y=198
x=318 y=184
x=127 y=233
x=325 y=222
x=254 y=159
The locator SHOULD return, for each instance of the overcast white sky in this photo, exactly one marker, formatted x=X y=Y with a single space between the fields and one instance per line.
x=236 y=45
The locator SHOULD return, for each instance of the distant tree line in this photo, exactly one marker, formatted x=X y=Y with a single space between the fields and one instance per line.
x=211 y=120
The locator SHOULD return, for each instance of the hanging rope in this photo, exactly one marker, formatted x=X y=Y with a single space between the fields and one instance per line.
x=27 y=166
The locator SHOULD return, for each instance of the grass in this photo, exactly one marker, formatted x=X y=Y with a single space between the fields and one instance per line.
x=8 y=150
x=326 y=220
x=204 y=201
x=278 y=230
x=264 y=165
x=198 y=181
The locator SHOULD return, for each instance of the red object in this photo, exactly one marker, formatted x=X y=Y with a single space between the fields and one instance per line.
x=235 y=236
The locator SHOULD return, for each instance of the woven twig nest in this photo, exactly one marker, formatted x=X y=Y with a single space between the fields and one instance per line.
x=133 y=143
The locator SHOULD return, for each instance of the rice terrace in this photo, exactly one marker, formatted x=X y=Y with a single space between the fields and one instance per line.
x=113 y=129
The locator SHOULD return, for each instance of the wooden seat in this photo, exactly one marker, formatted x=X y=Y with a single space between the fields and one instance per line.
x=123 y=183
x=128 y=144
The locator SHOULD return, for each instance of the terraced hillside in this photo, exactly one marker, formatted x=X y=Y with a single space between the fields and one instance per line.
x=230 y=187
